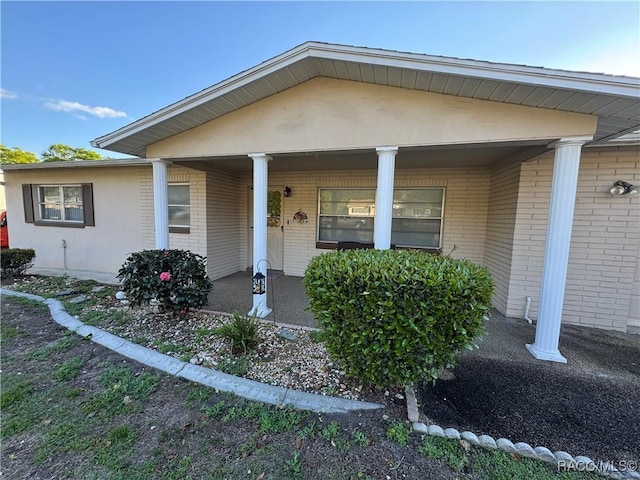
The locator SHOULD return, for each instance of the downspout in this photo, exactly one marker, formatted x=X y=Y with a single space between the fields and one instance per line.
x=64 y=253
x=526 y=310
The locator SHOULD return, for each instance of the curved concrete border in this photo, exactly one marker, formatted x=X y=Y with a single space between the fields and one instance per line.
x=242 y=387
x=560 y=458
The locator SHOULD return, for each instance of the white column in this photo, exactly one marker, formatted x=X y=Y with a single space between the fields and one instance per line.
x=384 y=197
x=161 y=202
x=556 y=253
x=260 y=183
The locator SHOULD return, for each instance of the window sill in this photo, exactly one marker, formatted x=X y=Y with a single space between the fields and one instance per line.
x=44 y=223
x=183 y=230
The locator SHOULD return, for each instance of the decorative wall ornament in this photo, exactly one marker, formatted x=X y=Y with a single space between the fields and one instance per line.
x=300 y=217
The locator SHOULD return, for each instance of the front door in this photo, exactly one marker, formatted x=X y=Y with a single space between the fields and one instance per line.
x=275 y=229
x=275 y=234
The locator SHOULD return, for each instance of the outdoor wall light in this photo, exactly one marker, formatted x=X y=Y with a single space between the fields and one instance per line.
x=621 y=188
x=287 y=191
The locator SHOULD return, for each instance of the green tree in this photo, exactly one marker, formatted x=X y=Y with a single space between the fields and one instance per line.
x=16 y=155
x=59 y=152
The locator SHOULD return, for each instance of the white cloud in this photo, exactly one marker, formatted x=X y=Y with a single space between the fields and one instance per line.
x=74 y=107
x=7 y=94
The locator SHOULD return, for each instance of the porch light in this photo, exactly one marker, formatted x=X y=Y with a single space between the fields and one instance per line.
x=287 y=191
x=622 y=188
x=258 y=283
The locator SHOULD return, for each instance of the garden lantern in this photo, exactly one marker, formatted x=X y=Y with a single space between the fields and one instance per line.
x=258 y=283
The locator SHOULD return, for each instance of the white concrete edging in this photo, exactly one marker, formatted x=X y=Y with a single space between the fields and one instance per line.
x=242 y=387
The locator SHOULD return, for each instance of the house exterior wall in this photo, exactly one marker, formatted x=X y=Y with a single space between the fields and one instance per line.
x=604 y=243
x=501 y=219
x=102 y=248
x=325 y=114
x=465 y=207
x=196 y=239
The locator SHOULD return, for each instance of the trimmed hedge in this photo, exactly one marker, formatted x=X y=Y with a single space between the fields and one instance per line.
x=394 y=317
x=15 y=261
x=177 y=279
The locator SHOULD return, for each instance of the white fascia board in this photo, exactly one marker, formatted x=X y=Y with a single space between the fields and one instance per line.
x=538 y=76
x=134 y=162
x=593 y=83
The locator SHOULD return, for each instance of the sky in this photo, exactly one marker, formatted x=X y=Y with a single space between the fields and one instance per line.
x=74 y=71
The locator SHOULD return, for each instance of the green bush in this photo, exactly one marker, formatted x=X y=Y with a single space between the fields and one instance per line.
x=15 y=261
x=395 y=317
x=177 y=279
x=243 y=332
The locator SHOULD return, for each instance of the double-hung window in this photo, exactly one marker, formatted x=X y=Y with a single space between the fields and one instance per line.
x=347 y=215
x=66 y=205
x=179 y=208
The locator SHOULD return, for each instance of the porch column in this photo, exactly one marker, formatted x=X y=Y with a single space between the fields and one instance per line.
x=260 y=182
x=161 y=202
x=556 y=253
x=384 y=197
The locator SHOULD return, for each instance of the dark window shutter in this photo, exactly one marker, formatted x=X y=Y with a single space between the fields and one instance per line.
x=87 y=203
x=27 y=201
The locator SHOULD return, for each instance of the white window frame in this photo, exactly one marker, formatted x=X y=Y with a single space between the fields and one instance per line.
x=41 y=202
x=439 y=218
x=180 y=228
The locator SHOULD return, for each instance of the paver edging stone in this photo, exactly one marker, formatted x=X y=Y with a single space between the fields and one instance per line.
x=578 y=463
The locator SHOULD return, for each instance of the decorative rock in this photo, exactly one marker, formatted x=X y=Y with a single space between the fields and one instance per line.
x=97 y=289
x=470 y=437
x=585 y=463
x=544 y=454
x=286 y=335
x=452 y=433
x=79 y=299
x=631 y=474
x=121 y=295
x=505 y=445
x=562 y=456
x=196 y=361
x=525 y=450
x=412 y=404
x=487 y=441
x=124 y=302
x=435 y=430
x=63 y=293
x=420 y=427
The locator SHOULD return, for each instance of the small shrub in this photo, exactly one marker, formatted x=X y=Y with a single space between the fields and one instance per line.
x=177 y=279
x=15 y=261
x=396 y=317
x=398 y=433
x=243 y=332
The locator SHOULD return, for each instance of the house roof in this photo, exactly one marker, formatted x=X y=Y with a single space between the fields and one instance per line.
x=614 y=99
x=108 y=162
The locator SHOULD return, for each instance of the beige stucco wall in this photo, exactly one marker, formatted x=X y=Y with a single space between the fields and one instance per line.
x=604 y=243
x=3 y=201
x=326 y=114
x=465 y=211
x=102 y=248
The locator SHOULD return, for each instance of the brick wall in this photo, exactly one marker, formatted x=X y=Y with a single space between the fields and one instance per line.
x=465 y=211
x=604 y=242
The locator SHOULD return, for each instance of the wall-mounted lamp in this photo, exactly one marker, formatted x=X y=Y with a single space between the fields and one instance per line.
x=622 y=188
x=287 y=191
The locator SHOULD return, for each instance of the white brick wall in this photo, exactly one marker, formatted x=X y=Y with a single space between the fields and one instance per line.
x=604 y=242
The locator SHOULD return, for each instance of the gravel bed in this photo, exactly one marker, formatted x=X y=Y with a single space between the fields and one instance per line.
x=303 y=364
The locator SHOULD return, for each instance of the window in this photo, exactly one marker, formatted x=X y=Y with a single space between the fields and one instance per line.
x=347 y=215
x=179 y=208
x=62 y=203
x=59 y=205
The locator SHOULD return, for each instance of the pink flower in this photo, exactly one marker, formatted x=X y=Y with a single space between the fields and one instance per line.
x=165 y=276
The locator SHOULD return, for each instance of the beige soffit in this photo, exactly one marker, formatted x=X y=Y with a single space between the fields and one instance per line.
x=614 y=99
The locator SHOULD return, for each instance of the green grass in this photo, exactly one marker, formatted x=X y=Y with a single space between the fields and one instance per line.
x=56 y=347
x=399 y=433
x=68 y=369
x=15 y=394
x=99 y=317
x=9 y=332
x=26 y=302
x=490 y=464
